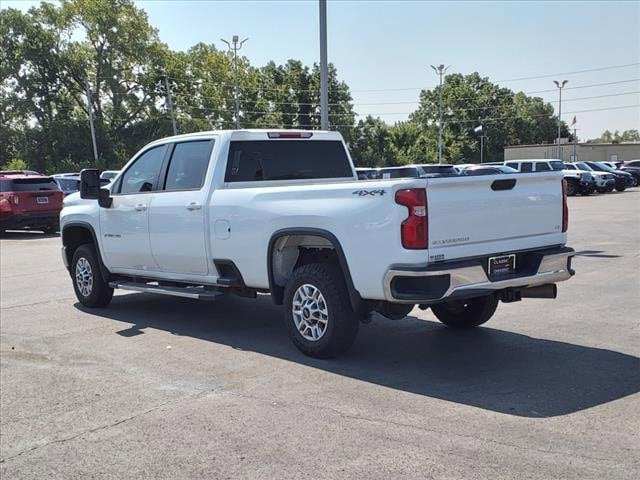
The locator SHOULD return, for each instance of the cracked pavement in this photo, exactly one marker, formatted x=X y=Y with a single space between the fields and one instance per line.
x=166 y=388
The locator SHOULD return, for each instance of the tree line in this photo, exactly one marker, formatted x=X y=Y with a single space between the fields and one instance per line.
x=52 y=55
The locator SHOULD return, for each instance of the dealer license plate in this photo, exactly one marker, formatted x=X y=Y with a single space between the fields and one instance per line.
x=502 y=264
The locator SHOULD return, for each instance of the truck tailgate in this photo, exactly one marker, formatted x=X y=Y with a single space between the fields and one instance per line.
x=471 y=216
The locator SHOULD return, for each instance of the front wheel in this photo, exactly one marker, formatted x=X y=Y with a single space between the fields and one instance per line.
x=91 y=289
x=571 y=189
x=318 y=313
x=466 y=313
x=621 y=189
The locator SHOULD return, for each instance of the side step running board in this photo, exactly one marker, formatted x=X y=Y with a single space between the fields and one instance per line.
x=198 y=293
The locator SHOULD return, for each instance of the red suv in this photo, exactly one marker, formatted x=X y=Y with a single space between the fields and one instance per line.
x=29 y=199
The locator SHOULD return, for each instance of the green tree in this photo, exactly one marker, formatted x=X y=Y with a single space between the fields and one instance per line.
x=15 y=164
x=617 y=137
x=371 y=144
x=471 y=100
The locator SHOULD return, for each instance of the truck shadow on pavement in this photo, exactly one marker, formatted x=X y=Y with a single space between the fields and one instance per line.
x=487 y=368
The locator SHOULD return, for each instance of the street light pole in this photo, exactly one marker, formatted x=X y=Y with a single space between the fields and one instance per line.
x=560 y=87
x=236 y=46
x=479 y=131
x=324 y=68
x=440 y=70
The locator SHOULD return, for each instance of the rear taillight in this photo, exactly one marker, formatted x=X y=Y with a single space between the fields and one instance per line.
x=414 y=230
x=5 y=205
x=565 y=207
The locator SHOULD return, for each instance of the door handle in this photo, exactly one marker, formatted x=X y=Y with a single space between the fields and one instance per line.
x=140 y=207
x=194 y=206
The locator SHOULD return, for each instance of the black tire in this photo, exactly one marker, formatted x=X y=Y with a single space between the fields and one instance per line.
x=95 y=291
x=601 y=190
x=341 y=323
x=466 y=313
x=621 y=189
x=571 y=189
x=53 y=228
x=586 y=192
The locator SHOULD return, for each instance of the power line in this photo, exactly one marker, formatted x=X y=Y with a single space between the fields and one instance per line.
x=507 y=80
x=258 y=123
x=493 y=106
x=570 y=73
x=457 y=99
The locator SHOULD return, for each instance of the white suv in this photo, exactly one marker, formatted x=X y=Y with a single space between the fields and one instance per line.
x=578 y=181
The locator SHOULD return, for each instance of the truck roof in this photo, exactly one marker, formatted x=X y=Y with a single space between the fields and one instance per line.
x=256 y=134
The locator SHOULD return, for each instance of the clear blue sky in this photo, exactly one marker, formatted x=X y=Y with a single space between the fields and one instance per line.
x=390 y=45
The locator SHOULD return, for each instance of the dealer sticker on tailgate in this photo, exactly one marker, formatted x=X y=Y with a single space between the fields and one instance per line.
x=42 y=200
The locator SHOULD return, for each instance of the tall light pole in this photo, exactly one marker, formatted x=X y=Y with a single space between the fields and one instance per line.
x=560 y=86
x=236 y=46
x=324 y=68
x=440 y=70
x=479 y=131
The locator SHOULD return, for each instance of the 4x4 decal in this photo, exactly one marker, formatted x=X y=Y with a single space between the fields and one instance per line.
x=373 y=193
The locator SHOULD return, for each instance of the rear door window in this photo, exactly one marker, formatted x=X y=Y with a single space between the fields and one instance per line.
x=542 y=167
x=188 y=165
x=526 y=167
x=261 y=160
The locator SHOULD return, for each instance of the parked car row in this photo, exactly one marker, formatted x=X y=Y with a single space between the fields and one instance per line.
x=582 y=178
x=29 y=199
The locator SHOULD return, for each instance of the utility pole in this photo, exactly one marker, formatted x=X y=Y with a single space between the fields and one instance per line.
x=575 y=143
x=93 y=130
x=236 y=46
x=440 y=70
x=170 y=105
x=560 y=87
x=324 y=68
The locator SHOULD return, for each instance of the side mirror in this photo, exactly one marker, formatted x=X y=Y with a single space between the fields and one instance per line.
x=104 y=198
x=90 y=184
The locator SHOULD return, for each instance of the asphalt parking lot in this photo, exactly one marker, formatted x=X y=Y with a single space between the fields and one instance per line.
x=156 y=387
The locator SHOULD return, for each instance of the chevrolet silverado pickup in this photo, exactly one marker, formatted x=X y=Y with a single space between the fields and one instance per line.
x=282 y=212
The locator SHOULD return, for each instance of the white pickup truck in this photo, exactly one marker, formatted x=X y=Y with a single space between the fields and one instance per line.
x=282 y=212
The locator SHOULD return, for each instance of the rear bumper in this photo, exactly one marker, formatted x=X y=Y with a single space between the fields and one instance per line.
x=40 y=219
x=469 y=278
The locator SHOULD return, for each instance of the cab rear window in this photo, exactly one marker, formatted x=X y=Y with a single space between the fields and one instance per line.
x=28 y=184
x=262 y=160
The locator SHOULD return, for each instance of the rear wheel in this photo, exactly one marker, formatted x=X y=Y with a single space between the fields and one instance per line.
x=621 y=189
x=466 y=313
x=52 y=228
x=91 y=289
x=318 y=313
x=571 y=189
